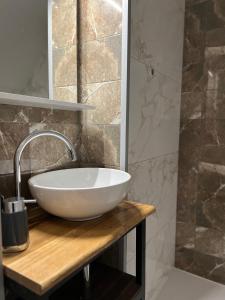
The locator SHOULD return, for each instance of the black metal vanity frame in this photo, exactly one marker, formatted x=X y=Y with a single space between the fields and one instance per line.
x=133 y=289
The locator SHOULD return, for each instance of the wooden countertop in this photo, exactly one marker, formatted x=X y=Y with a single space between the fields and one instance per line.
x=58 y=247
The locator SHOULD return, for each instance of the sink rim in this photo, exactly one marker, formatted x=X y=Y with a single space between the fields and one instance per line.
x=125 y=180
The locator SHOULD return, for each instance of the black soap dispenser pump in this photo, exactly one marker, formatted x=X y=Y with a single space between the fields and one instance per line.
x=15 y=233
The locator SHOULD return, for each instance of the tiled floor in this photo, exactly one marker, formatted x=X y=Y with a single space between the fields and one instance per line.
x=185 y=286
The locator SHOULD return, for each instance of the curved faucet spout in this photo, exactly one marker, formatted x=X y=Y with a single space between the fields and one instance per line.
x=26 y=141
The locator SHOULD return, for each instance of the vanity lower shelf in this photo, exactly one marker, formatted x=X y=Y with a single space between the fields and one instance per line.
x=106 y=284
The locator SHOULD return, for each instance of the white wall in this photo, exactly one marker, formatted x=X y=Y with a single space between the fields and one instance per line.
x=154 y=112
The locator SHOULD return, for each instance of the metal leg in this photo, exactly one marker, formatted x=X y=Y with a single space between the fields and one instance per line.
x=87 y=283
x=140 y=256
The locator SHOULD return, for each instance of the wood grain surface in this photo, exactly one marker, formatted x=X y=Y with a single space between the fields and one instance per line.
x=58 y=247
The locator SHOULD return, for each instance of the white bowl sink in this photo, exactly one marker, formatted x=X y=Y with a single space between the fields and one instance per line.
x=79 y=194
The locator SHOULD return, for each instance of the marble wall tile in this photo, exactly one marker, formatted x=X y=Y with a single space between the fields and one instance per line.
x=194 y=77
x=100 y=19
x=215 y=38
x=214 y=105
x=48 y=116
x=151 y=51
x=11 y=113
x=215 y=66
x=192 y=105
x=154 y=121
x=213 y=132
x=100 y=145
x=8 y=185
x=214 y=14
x=50 y=153
x=16 y=123
x=184 y=258
x=154 y=114
x=210 y=206
x=213 y=154
x=68 y=93
x=208 y=266
x=210 y=241
x=11 y=134
x=105 y=96
x=100 y=84
x=155 y=182
x=64 y=50
x=65 y=66
x=200 y=226
x=159 y=259
x=194 y=38
x=189 y=155
x=185 y=235
x=101 y=60
x=64 y=23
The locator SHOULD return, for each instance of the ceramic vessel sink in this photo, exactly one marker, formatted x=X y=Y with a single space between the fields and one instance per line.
x=79 y=194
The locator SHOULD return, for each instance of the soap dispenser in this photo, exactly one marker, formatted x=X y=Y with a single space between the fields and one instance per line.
x=15 y=234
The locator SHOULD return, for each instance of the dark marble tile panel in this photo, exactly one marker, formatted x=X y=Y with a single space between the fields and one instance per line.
x=192 y=104
x=41 y=115
x=7 y=185
x=211 y=197
x=214 y=14
x=50 y=153
x=215 y=37
x=210 y=241
x=214 y=105
x=100 y=145
x=184 y=259
x=185 y=235
x=11 y=134
x=194 y=39
x=209 y=266
x=215 y=68
x=213 y=154
x=13 y=113
x=213 y=132
x=194 y=77
x=189 y=155
x=187 y=196
x=190 y=144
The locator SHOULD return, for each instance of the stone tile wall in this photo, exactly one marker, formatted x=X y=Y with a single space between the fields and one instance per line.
x=200 y=246
x=43 y=153
x=100 y=26
x=64 y=49
x=154 y=112
x=99 y=73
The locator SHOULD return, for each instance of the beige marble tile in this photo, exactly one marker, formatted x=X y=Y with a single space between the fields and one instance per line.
x=100 y=145
x=11 y=134
x=100 y=18
x=105 y=97
x=92 y=144
x=64 y=23
x=65 y=66
x=101 y=60
x=67 y=93
x=49 y=153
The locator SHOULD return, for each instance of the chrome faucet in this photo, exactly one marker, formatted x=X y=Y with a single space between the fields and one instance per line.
x=25 y=142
